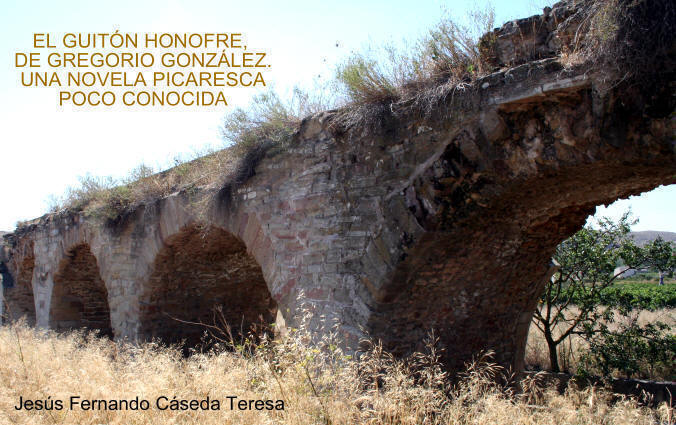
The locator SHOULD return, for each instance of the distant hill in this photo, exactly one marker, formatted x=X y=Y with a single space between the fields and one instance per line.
x=641 y=238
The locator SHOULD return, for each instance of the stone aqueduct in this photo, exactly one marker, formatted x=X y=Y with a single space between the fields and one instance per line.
x=445 y=223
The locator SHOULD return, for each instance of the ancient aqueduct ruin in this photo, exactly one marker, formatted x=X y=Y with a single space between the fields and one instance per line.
x=444 y=223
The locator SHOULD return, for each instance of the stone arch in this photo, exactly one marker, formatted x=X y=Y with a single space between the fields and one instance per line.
x=474 y=233
x=197 y=274
x=80 y=297
x=18 y=294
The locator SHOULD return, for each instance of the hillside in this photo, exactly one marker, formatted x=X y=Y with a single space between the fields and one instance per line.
x=641 y=238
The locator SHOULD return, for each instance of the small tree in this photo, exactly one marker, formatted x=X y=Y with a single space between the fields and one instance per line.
x=630 y=349
x=586 y=266
x=660 y=255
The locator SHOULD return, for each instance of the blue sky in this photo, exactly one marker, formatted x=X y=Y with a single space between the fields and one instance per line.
x=44 y=148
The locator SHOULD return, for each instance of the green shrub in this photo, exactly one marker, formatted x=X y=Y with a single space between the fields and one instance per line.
x=141 y=171
x=89 y=189
x=268 y=120
x=114 y=201
x=365 y=81
x=629 y=350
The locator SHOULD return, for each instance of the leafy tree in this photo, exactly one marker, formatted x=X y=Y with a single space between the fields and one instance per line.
x=586 y=264
x=661 y=255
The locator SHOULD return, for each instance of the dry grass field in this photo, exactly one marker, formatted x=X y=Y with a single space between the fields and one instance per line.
x=318 y=385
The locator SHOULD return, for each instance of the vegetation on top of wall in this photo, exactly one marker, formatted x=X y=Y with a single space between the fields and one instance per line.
x=247 y=134
x=450 y=53
x=269 y=120
x=107 y=198
x=450 y=57
x=628 y=39
x=612 y=42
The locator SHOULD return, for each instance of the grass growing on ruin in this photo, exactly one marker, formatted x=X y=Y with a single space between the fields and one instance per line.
x=248 y=133
x=269 y=119
x=450 y=53
x=380 y=82
x=319 y=385
x=107 y=198
x=416 y=77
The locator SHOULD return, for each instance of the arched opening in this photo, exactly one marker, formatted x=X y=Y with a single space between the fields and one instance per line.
x=79 y=297
x=477 y=283
x=480 y=225
x=204 y=277
x=654 y=211
x=18 y=294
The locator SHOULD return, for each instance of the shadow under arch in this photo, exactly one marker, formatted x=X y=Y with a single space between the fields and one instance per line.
x=487 y=221
x=80 y=298
x=203 y=276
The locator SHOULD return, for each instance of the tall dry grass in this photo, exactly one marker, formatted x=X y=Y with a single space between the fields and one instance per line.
x=449 y=54
x=319 y=385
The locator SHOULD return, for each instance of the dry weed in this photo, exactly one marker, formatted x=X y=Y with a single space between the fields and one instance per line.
x=318 y=383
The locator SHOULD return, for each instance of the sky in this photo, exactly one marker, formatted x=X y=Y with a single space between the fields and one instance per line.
x=44 y=147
